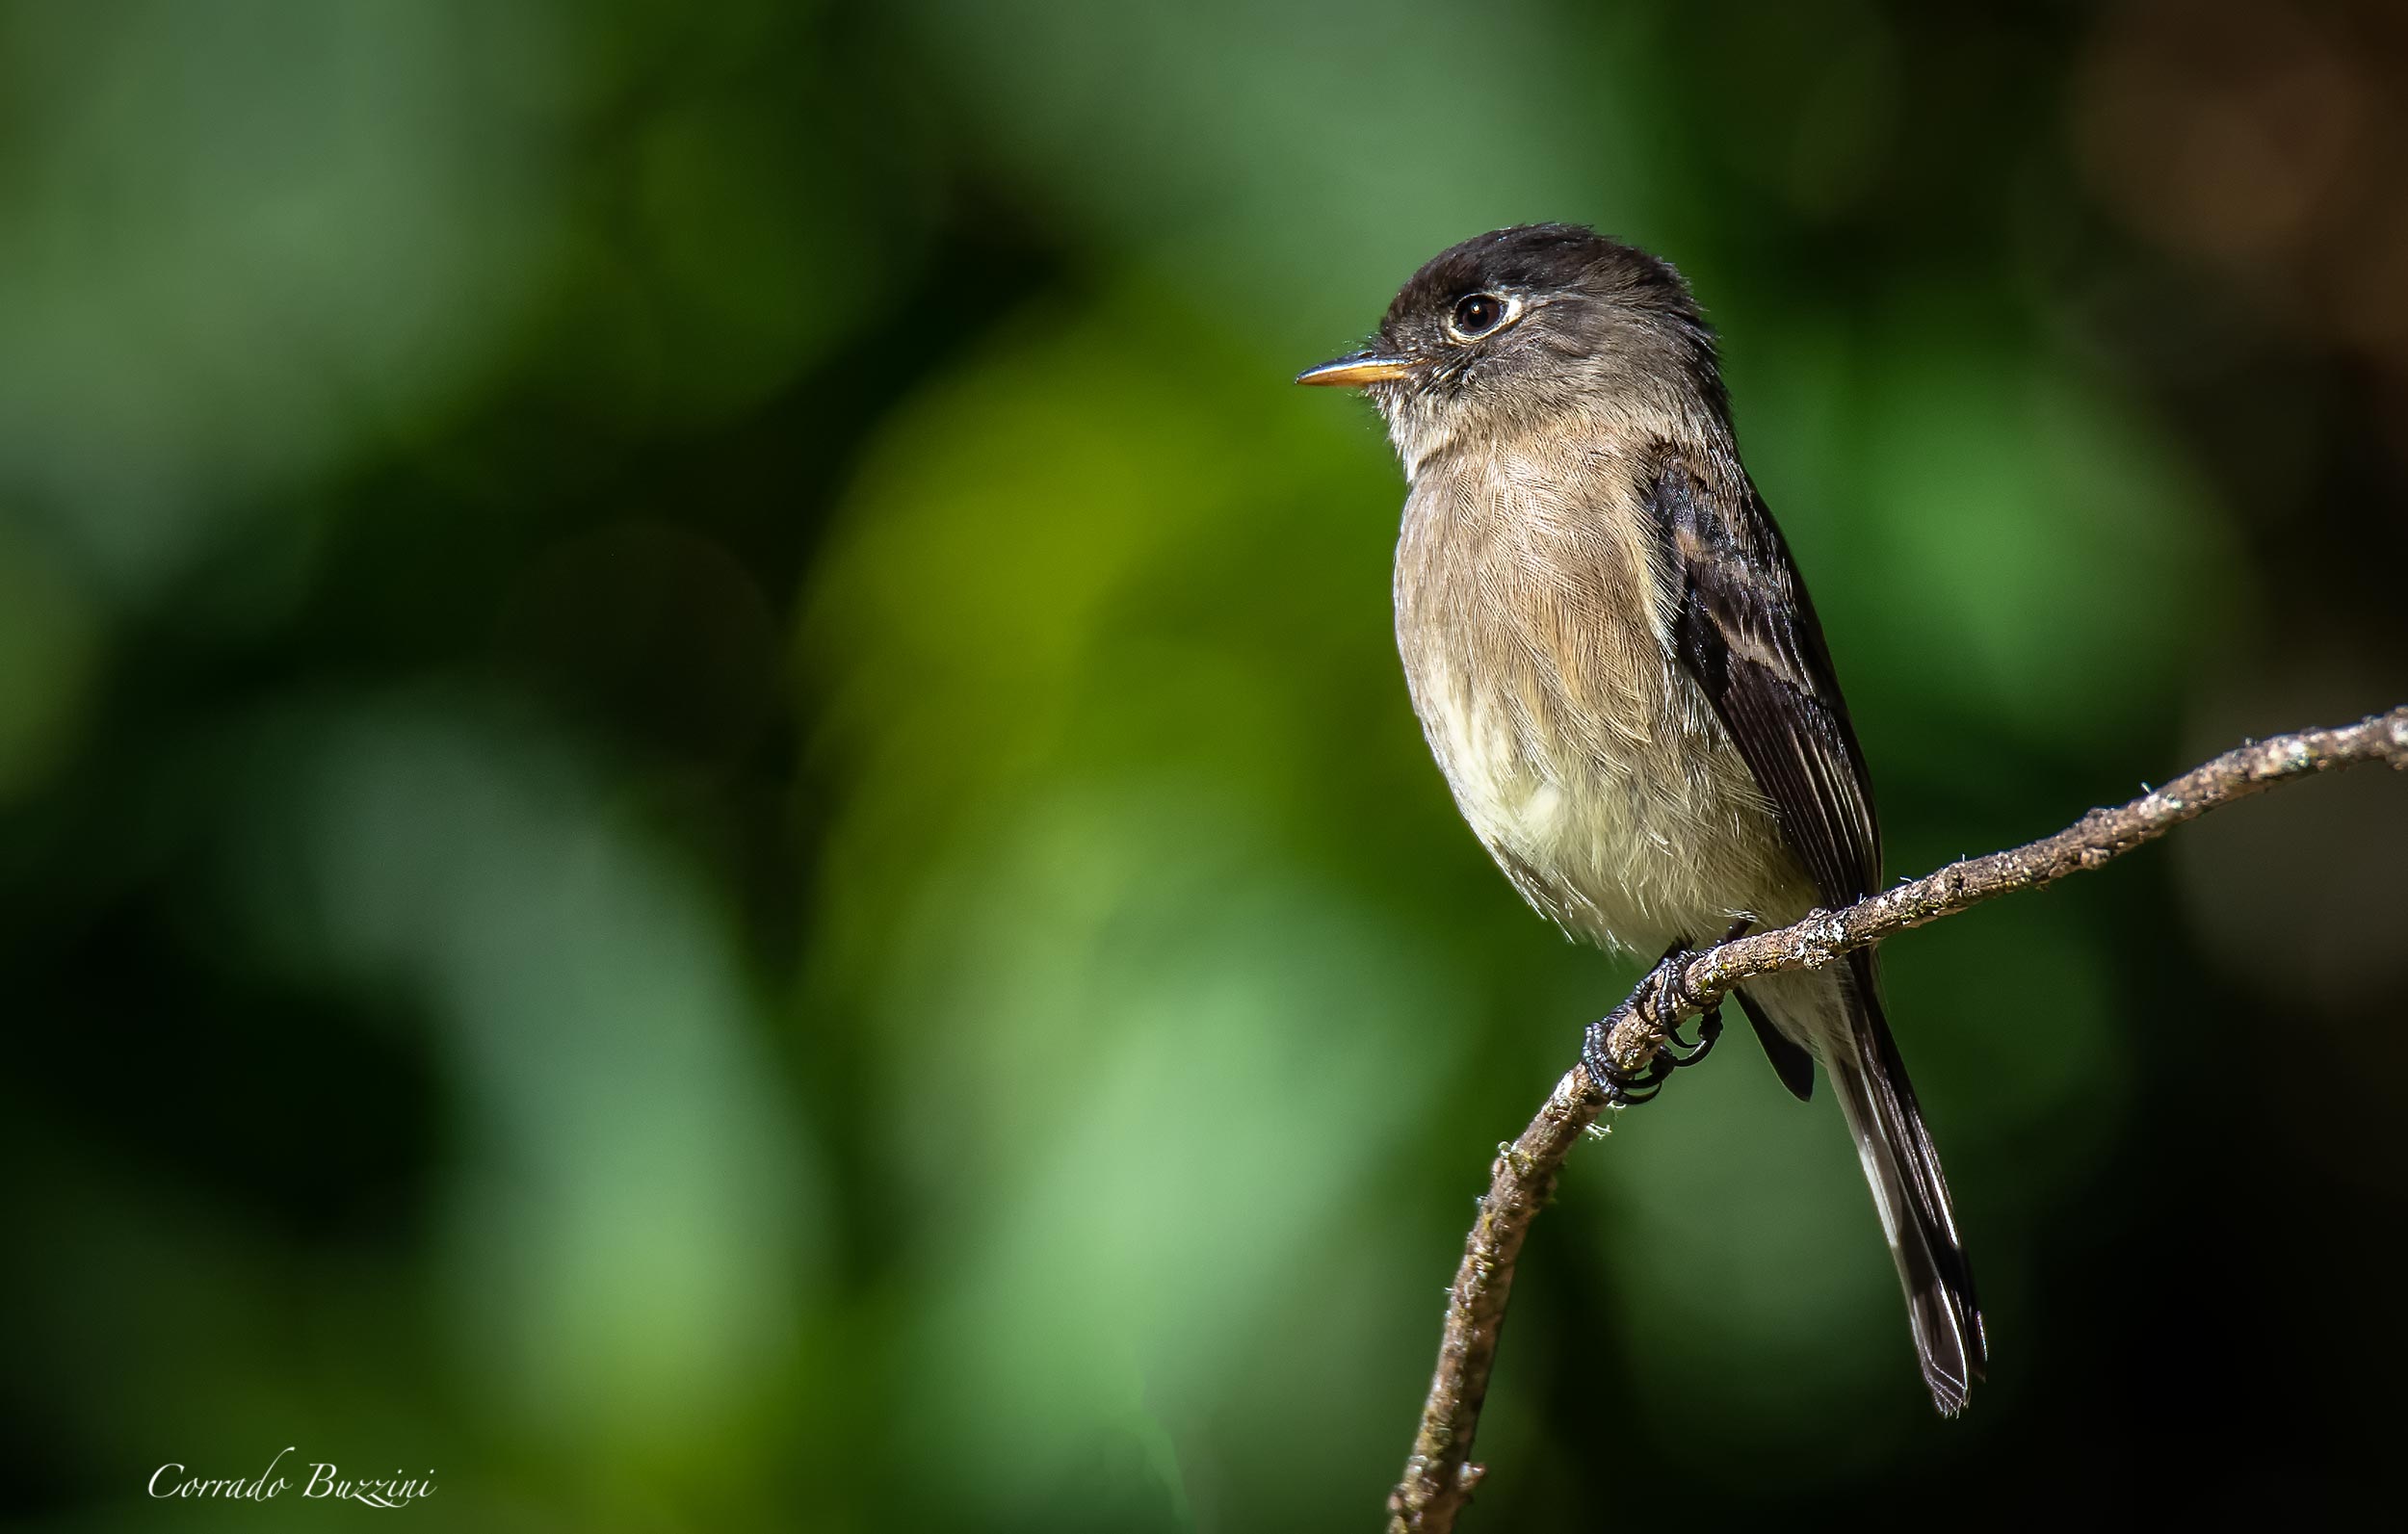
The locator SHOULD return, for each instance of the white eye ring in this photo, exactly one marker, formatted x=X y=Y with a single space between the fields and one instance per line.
x=1499 y=309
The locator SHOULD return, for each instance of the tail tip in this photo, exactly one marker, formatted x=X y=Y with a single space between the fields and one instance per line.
x=1950 y=1377
x=1948 y=1394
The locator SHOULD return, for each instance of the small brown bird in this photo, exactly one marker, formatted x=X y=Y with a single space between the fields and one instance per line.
x=1621 y=675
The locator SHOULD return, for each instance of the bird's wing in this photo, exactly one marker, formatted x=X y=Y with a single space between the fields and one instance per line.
x=1746 y=631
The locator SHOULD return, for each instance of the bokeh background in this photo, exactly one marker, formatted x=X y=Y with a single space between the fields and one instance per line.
x=706 y=819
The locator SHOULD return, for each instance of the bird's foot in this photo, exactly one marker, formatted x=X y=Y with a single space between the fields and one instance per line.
x=1671 y=977
x=1664 y=993
x=1621 y=1088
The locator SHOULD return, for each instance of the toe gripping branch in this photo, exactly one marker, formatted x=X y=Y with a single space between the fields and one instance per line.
x=1662 y=993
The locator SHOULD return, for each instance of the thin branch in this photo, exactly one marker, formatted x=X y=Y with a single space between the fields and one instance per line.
x=1439 y=1477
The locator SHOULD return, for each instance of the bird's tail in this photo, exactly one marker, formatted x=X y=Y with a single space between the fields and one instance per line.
x=1853 y=1040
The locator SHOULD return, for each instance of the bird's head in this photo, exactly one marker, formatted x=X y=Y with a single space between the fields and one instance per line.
x=1507 y=332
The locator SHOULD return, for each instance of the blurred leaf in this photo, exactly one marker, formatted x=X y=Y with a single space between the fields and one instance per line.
x=49 y=637
x=634 y=1213
x=1294 y=166
x=237 y=241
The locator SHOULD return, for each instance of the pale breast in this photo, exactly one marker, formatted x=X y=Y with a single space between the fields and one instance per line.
x=1530 y=621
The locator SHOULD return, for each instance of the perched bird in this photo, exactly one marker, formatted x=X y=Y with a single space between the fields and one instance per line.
x=1618 y=669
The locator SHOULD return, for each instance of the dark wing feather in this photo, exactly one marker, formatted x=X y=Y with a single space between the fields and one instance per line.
x=1790 y=1060
x=1746 y=631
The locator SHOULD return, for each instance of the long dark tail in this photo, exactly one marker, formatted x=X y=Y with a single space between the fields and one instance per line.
x=1870 y=1081
x=1837 y=1014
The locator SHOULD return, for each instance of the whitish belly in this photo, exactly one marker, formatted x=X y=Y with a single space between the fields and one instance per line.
x=1630 y=837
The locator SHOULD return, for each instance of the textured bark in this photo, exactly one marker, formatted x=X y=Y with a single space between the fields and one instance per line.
x=1439 y=1477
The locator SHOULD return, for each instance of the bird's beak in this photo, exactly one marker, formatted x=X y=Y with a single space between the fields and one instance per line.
x=1356 y=371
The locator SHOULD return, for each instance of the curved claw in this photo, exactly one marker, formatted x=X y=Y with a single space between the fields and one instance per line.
x=1683 y=1052
x=1621 y=1088
x=1628 y=1091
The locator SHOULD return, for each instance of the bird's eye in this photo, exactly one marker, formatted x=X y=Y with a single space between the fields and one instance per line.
x=1477 y=315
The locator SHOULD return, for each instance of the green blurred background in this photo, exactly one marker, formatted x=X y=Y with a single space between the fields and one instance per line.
x=706 y=819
